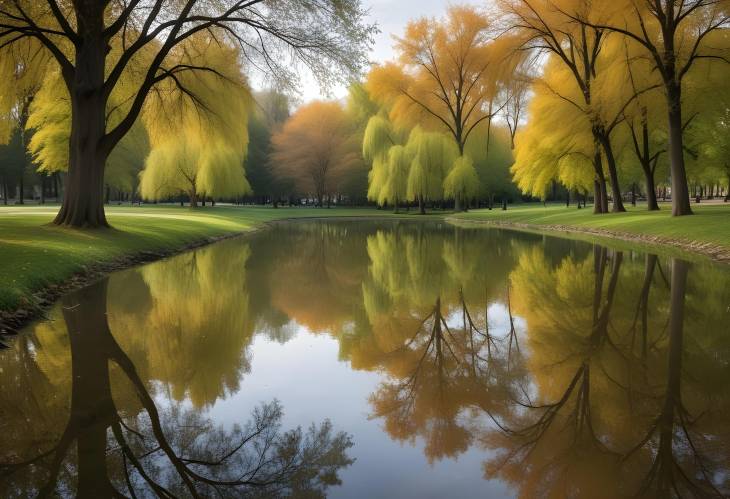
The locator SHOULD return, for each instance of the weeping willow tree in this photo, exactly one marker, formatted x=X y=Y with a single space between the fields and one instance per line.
x=433 y=155
x=462 y=182
x=193 y=153
x=557 y=144
x=395 y=189
x=380 y=136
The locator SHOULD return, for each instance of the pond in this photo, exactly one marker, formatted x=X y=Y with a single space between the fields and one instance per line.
x=378 y=359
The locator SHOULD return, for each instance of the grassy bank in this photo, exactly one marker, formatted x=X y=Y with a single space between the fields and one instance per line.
x=35 y=254
x=708 y=228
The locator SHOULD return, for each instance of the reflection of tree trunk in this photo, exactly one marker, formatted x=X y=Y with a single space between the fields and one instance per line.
x=662 y=477
x=601 y=307
x=680 y=269
x=92 y=408
x=643 y=304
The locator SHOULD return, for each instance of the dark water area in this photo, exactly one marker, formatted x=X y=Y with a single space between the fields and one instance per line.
x=378 y=359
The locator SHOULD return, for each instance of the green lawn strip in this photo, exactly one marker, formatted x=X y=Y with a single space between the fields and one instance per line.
x=710 y=223
x=35 y=254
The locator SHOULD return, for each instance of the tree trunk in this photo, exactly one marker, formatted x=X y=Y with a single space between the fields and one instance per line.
x=83 y=200
x=633 y=194
x=43 y=189
x=21 y=188
x=457 y=204
x=680 y=190
x=193 y=197
x=421 y=206
x=567 y=198
x=600 y=204
x=504 y=204
x=618 y=205
x=651 y=201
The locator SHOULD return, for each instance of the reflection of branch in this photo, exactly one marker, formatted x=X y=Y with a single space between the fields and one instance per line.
x=512 y=332
x=217 y=460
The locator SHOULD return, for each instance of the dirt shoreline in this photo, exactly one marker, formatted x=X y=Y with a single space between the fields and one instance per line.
x=12 y=321
x=714 y=252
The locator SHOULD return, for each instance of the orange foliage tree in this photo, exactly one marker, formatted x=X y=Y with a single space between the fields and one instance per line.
x=316 y=148
x=444 y=76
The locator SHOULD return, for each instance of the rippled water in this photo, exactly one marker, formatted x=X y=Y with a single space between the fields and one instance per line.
x=418 y=359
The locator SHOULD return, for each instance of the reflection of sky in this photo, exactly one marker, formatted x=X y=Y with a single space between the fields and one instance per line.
x=391 y=17
x=307 y=377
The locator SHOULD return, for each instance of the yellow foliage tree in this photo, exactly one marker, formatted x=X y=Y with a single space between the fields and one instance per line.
x=194 y=153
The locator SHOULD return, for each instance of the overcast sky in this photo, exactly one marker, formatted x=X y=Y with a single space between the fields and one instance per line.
x=391 y=17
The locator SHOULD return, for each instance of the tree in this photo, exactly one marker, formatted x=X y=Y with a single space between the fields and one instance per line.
x=674 y=35
x=493 y=163
x=12 y=164
x=271 y=110
x=379 y=137
x=315 y=148
x=396 y=187
x=462 y=182
x=433 y=156
x=557 y=143
x=192 y=153
x=327 y=36
x=545 y=27
x=444 y=77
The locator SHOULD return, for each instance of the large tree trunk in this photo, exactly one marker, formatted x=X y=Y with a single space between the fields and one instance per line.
x=83 y=200
x=680 y=190
x=618 y=205
x=457 y=204
x=421 y=206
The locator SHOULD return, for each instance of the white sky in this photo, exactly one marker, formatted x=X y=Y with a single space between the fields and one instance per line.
x=391 y=17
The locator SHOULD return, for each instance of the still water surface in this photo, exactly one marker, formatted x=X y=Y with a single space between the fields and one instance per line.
x=418 y=360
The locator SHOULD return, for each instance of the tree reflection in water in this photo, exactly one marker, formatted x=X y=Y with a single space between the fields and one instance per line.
x=607 y=434
x=169 y=452
x=580 y=371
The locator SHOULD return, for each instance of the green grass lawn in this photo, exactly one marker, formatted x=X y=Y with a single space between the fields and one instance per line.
x=709 y=224
x=35 y=254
